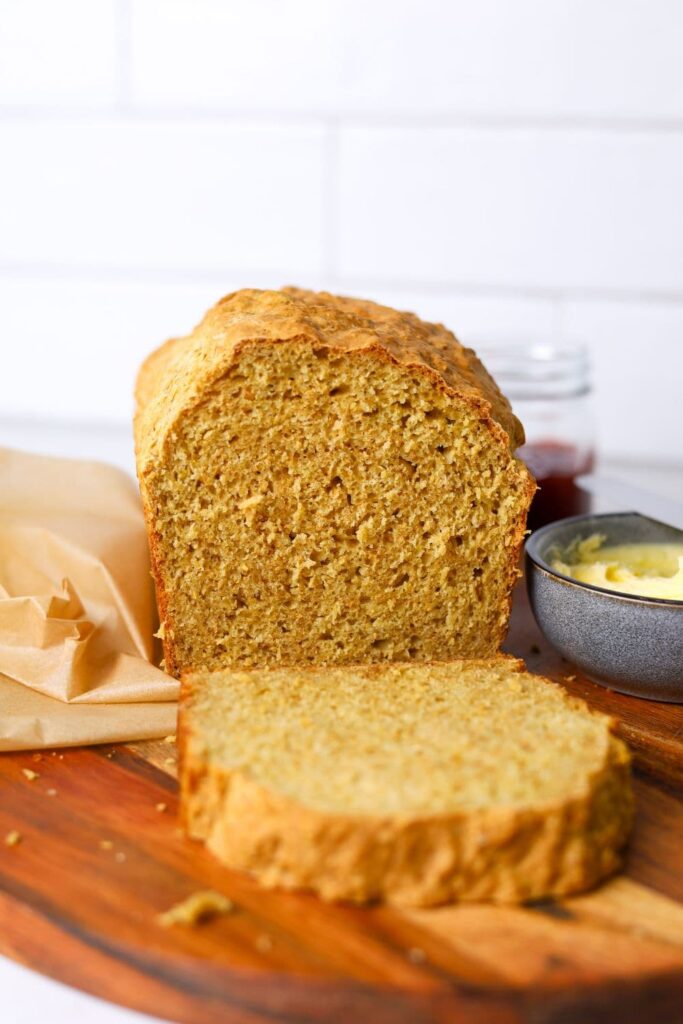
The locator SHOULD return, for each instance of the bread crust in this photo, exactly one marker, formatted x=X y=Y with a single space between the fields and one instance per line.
x=177 y=375
x=500 y=854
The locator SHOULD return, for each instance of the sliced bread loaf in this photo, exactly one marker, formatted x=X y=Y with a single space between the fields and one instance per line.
x=412 y=783
x=326 y=480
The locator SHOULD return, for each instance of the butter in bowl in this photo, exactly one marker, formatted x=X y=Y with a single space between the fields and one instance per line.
x=607 y=592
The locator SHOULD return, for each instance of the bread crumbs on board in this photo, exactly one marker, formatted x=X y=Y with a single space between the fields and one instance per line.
x=196 y=908
x=264 y=943
x=30 y=774
x=13 y=838
x=417 y=955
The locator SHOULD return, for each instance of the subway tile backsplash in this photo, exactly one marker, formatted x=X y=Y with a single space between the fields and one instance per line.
x=513 y=170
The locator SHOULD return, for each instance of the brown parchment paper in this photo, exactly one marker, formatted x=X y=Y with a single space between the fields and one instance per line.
x=77 y=612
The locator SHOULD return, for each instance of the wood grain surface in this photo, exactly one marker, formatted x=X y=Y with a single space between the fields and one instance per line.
x=97 y=862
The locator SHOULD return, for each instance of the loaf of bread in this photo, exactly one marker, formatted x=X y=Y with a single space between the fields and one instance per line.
x=326 y=480
x=411 y=783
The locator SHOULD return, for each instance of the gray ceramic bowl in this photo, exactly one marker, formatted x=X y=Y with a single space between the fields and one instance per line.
x=631 y=644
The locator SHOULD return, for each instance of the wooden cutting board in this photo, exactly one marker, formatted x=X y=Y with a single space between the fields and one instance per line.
x=98 y=861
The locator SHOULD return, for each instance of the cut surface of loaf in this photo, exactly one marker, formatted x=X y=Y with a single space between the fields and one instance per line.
x=326 y=480
x=411 y=783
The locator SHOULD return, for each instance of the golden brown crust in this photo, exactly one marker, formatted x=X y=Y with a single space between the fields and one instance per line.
x=178 y=373
x=500 y=854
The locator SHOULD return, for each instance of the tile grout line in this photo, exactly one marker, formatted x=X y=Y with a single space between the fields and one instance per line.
x=352 y=119
x=127 y=108
x=121 y=275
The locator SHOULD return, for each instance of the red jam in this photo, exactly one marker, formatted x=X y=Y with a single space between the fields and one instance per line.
x=556 y=466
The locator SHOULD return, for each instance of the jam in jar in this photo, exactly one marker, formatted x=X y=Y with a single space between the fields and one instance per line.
x=549 y=389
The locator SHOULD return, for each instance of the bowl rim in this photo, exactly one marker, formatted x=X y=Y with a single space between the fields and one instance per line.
x=541 y=564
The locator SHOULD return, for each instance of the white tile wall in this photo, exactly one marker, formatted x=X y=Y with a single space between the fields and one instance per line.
x=637 y=353
x=255 y=54
x=521 y=208
x=59 y=53
x=513 y=170
x=549 y=58
x=71 y=348
x=141 y=194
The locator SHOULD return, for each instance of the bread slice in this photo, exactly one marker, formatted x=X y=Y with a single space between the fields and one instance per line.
x=326 y=480
x=412 y=783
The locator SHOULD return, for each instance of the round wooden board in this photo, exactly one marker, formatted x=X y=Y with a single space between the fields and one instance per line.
x=84 y=911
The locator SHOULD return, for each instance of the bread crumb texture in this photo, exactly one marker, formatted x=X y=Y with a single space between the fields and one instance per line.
x=413 y=783
x=326 y=480
x=199 y=907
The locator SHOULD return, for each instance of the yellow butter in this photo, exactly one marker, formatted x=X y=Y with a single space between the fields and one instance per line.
x=644 y=570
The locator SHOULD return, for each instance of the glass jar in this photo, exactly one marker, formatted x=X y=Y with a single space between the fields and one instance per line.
x=549 y=389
